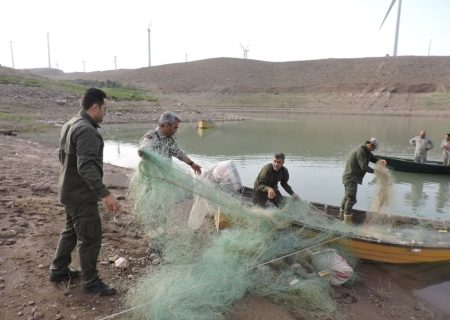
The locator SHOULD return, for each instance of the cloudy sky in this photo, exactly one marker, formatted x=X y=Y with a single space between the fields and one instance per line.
x=87 y=35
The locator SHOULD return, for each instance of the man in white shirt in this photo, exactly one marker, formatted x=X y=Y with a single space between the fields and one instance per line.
x=422 y=144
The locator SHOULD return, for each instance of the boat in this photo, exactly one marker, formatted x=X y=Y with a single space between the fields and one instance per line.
x=396 y=251
x=385 y=246
x=408 y=165
x=205 y=124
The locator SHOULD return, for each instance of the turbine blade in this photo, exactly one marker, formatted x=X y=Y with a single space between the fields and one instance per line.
x=387 y=13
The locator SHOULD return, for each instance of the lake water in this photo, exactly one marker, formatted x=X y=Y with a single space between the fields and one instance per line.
x=316 y=147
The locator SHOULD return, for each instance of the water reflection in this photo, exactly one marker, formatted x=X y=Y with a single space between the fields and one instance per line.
x=425 y=188
x=437 y=295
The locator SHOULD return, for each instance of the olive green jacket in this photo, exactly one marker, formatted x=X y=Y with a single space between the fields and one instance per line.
x=81 y=157
x=269 y=178
x=357 y=164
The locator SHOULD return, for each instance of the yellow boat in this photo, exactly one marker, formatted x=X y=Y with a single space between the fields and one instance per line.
x=394 y=246
x=204 y=124
x=393 y=250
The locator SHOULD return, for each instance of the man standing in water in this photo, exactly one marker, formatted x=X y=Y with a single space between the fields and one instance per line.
x=80 y=188
x=356 y=166
x=422 y=145
x=266 y=184
x=161 y=140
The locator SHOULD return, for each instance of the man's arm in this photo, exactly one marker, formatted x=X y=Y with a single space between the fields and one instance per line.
x=87 y=147
x=262 y=180
x=284 y=182
x=412 y=141
x=362 y=158
x=182 y=156
x=430 y=144
x=197 y=169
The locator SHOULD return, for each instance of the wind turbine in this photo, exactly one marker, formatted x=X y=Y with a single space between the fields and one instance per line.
x=398 y=22
x=246 y=50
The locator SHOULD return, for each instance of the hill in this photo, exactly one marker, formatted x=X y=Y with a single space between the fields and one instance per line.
x=226 y=75
x=387 y=85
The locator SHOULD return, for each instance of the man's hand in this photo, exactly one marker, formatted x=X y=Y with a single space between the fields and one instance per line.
x=383 y=162
x=271 y=193
x=295 y=197
x=197 y=169
x=111 y=203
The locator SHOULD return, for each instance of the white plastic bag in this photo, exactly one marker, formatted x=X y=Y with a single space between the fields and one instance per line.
x=328 y=263
x=224 y=175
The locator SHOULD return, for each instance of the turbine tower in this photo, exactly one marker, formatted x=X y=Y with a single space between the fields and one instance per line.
x=12 y=54
x=48 y=50
x=149 y=52
x=245 y=49
x=398 y=22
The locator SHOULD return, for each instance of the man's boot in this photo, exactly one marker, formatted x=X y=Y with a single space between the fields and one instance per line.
x=348 y=218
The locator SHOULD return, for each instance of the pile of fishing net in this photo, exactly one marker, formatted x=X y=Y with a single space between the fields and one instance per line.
x=217 y=247
x=206 y=270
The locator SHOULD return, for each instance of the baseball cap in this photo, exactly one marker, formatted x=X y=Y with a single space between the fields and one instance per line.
x=375 y=142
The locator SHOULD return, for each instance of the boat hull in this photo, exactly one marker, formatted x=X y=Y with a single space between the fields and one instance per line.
x=392 y=253
x=374 y=249
x=408 y=165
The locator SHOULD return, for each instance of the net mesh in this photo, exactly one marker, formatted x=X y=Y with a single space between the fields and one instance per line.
x=265 y=252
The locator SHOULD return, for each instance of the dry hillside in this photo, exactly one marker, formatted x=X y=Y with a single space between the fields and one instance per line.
x=387 y=85
x=226 y=75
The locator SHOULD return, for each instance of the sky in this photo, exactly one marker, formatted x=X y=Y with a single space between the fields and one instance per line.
x=96 y=35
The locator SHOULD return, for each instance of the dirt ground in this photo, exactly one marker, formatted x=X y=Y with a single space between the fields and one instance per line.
x=31 y=219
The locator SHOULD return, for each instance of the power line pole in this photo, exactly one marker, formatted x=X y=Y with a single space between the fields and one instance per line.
x=84 y=66
x=48 y=49
x=115 y=62
x=149 y=51
x=429 y=47
x=12 y=54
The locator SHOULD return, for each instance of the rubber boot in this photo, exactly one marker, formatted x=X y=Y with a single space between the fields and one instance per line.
x=348 y=218
x=341 y=214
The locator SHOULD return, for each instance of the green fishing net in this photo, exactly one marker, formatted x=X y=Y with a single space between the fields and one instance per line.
x=283 y=254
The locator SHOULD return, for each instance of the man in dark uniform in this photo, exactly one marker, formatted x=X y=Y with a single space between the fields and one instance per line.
x=80 y=187
x=266 y=184
x=356 y=166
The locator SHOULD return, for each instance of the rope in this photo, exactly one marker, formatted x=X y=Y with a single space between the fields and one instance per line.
x=212 y=281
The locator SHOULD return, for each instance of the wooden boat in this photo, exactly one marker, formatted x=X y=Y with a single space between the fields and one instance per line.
x=409 y=165
x=392 y=249
x=204 y=124
x=398 y=252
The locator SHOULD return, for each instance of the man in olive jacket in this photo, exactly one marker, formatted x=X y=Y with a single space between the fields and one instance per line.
x=266 y=183
x=80 y=187
x=356 y=166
